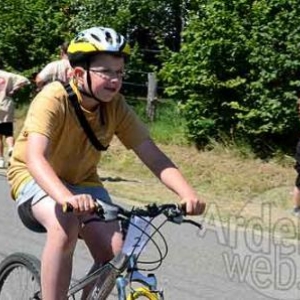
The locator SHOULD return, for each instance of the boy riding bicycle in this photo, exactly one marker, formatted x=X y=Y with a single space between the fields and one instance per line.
x=57 y=152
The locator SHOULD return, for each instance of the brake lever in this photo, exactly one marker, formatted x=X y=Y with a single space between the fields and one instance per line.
x=175 y=215
x=108 y=211
x=199 y=225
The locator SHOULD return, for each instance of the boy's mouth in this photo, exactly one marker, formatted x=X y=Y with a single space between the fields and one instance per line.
x=110 y=89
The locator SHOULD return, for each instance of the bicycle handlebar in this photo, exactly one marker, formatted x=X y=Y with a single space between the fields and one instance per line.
x=111 y=212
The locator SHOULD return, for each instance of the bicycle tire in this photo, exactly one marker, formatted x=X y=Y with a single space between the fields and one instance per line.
x=20 y=277
x=144 y=293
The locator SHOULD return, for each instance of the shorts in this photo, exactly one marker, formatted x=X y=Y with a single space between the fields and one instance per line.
x=6 y=129
x=31 y=193
x=297 y=165
x=7 y=110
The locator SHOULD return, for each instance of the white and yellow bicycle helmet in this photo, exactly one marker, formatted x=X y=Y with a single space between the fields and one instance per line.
x=91 y=42
x=94 y=40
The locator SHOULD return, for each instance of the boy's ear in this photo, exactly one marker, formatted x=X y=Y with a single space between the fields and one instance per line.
x=78 y=71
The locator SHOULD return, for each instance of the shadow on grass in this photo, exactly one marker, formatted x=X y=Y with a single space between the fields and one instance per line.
x=118 y=179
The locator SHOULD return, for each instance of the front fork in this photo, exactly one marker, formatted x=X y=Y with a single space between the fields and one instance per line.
x=132 y=275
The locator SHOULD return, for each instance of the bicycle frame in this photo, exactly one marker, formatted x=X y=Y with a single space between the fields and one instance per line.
x=83 y=282
x=127 y=271
x=136 y=238
x=132 y=282
x=125 y=267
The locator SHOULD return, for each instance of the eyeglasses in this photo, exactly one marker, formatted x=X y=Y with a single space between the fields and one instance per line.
x=108 y=73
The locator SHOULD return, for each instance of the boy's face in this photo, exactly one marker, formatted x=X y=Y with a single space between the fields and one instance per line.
x=106 y=73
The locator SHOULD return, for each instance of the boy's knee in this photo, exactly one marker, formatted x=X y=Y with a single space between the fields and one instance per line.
x=62 y=238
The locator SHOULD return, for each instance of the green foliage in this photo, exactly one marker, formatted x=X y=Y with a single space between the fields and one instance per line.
x=169 y=126
x=142 y=21
x=238 y=70
x=275 y=62
x=30 y=32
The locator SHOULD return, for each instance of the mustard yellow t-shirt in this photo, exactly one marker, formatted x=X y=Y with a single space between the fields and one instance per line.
x=71 y=154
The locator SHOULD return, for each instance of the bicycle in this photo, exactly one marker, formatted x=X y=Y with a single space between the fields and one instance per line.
x=20 y=272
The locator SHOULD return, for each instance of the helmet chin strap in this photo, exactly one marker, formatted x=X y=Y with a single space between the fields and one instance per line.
x=91 y=94
x=89 y=83
x=83 y=92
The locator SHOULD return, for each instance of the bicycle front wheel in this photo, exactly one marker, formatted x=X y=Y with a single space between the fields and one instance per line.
x=20 y=277
x=144 y=293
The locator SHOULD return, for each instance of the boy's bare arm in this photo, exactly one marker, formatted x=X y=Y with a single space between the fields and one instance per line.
x=170 y=175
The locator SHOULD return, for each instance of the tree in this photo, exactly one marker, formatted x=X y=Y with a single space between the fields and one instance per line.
x=237 y=72
x=30 y=33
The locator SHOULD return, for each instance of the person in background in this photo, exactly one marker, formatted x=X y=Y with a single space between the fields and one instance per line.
x=296 y=191
x=9 y=84
x=57 y=70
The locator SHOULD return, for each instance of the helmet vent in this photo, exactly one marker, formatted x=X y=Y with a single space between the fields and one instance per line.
x=108 y=37
x=79 y=37
x=95 y=37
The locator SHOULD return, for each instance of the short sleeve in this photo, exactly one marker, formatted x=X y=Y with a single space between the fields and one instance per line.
x=19 y=80
x=130 y=129
x=46 y=112
x=47 y=72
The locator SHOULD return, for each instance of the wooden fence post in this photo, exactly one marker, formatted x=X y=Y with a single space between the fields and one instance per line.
x=151 y=96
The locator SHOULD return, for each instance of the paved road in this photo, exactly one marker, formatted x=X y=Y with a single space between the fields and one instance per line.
x=196 y=267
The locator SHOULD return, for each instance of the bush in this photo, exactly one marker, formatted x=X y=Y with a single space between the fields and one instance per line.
x=238 y=72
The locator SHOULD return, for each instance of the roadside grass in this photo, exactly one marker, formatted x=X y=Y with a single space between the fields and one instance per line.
x=228 y=176
x=168 y=126
x=234 y=186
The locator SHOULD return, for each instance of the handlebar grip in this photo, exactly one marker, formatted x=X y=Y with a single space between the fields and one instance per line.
x=68 y=207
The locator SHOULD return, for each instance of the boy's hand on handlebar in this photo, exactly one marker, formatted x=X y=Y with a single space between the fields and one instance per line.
x=82 y=203
x=194 y=205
